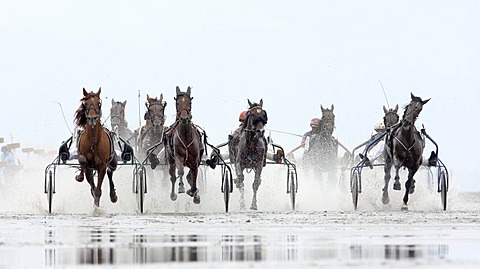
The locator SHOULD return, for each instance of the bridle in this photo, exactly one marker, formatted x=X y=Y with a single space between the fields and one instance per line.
x=153 y=114
x=187 y=109
x=92 y=120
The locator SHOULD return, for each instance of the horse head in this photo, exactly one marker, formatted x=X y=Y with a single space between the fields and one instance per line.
x=90 y=109
x=117 y=114
x=256 y=118
x=183 y=103
x=412 y=110
x=391 y=117
x=327 y=122
x=155 y=115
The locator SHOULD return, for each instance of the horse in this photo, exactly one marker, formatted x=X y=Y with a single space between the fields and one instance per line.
x=95 y=146
x=249 y=149
x=322 y=153
x=404 y=148
x=118 y=122
x=184 y=147
x=391 y=117
x=153 y=131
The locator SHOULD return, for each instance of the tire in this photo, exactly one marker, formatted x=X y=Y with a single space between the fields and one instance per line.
x=293 y=190
x=354 y=189
x=140 y=191
x=50 y=191
x=226 y=190
x=443 y=190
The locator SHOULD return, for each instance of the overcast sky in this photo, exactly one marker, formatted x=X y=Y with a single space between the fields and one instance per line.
x=295 y=55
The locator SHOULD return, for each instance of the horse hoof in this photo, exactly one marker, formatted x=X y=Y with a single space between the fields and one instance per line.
x=404 y=208
x=196 y=199
x=114 y=198
x=181 y=189
x=385 y=200
x=79 y=178
x=173 y=197
x=397 y=186
x=253 y=207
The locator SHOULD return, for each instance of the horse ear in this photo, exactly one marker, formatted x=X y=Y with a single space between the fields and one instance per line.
x=321 y=108
x=249 y=103
x=125 y=103
x=189 y=90
x=396 y=109
x=385 y=110
x=113 y=102
x=261 y=102
x=178 y=91
x=425 y=101
x=411 y=95
x=161 y=98
x=85 y=93
x=332 y=108
x=148 y=97
x=99 y=91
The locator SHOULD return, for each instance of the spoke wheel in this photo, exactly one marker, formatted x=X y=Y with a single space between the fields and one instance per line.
x=226 y=190
x=443 y=190
x=50 y=191
x=354 y=189
x=293 y=190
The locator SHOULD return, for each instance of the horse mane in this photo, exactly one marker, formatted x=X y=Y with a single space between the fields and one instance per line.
x=80 y=116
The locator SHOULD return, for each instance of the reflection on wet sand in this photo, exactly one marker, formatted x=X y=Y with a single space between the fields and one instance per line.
x=114 y=247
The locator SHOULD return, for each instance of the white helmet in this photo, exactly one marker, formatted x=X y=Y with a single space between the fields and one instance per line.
x=379 y=126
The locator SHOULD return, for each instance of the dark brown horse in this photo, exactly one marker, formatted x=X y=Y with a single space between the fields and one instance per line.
x=153 y=131
x=404 y=148
x=185 y=148
x=248 y=150
x=322 y=153
x=391 y=117
x=95 y=146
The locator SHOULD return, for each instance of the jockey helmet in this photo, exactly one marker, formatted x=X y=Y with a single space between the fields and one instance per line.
x=379 y=126
x=242 y=116
x=315 y=122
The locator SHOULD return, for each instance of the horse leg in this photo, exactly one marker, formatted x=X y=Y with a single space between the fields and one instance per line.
x=409 y=186
x=180 y=164
x=89 y=176
x=256 y=183
x=113 y=193
x=387 y=168
x=98 y=190
x=192 y=180
x=173 y=179
x=112 y=166
x=82 y=160
x=240 y=185
x=396 y=185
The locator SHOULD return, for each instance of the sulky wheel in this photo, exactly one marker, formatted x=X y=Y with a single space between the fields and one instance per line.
x=226 y=190
x=354 y=189
x=140 y=191
x=293 y=190
x=50 y=191
x=443 y=189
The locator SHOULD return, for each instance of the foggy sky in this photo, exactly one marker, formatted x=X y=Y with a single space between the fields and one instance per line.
x=295 y=55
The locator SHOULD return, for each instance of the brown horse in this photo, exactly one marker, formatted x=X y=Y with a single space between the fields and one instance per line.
x=404 y=148
x=184 y=147
x=95 y=146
